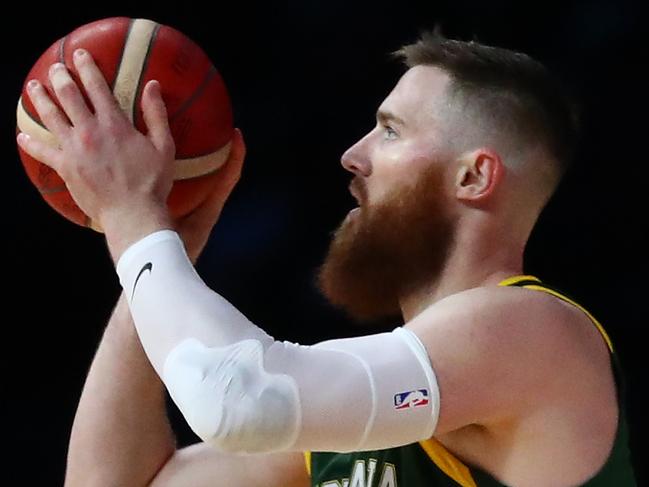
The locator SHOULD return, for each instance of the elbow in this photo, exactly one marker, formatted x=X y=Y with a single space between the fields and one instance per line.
x=230 y=401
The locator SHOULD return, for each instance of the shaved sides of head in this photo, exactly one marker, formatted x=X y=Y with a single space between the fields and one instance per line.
x=502 y=98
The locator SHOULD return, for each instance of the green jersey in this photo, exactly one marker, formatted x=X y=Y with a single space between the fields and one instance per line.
x=429 y=464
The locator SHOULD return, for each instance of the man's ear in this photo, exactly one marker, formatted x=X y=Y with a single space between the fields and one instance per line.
x=478 y=174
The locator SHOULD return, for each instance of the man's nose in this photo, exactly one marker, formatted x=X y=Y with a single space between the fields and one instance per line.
x=356 y=159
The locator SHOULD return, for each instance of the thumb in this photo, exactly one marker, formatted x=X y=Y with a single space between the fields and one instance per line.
x=195 y=227
x=230 y=173
x=231 y=170
x=154 y=112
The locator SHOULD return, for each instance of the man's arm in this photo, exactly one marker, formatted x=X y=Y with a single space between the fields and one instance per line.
x=121 y=434
x=202 y=466
x=504 y=353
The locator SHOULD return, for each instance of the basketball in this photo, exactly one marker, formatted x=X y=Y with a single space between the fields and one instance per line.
x=130 y=52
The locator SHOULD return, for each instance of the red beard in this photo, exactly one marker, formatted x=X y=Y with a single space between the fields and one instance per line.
x=384 y=252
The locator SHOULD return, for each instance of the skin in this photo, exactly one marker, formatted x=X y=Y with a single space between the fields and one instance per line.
x=527 y=391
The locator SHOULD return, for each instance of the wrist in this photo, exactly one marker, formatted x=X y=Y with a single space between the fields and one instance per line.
x=125 y=226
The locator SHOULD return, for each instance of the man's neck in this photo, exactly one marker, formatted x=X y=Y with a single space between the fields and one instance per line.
x=470 y=264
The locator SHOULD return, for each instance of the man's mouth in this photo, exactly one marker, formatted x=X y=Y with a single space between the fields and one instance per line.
x=358 y=191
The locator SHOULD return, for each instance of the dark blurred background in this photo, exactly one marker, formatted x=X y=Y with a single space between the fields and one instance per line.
x=305 y=79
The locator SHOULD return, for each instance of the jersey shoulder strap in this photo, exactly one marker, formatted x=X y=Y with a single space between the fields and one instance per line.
x=532 y=282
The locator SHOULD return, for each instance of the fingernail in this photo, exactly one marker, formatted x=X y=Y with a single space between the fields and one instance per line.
x=32 y=84
x=22 y=137
x=56 y=67
x=79 y=53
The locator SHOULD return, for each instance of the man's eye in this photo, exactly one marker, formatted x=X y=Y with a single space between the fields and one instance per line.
x=389 y=132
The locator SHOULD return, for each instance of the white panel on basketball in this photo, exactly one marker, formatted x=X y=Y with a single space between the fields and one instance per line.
x=32 y=128
x=183 y=168
x=125 y=89
x=198 y=166
x=132 y=63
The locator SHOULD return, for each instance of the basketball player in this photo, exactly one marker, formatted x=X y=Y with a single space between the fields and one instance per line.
x=495 y=378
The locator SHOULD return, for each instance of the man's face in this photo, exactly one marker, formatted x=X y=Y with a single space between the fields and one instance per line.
x=398 y=237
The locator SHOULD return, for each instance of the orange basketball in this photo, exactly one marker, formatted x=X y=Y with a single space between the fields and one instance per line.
x=130 y=52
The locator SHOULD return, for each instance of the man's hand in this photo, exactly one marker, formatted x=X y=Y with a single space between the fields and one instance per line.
x=118 y=176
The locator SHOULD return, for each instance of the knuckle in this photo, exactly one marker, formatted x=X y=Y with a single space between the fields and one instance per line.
x=118 y=130
x=113 y=124
x=170 y=147
x=115 y=119
x=47 y=112
x=66 y=87
x=87 y=138
x=94 y=85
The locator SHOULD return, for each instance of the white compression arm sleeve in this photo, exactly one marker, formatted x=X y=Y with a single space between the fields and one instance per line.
x=241 y=390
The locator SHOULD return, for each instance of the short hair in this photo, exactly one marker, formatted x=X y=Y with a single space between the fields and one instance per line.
x=517 y=93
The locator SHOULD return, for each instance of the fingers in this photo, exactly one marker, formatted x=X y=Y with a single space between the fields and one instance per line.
x=195 y=227
x=51 y=116
x=154 y=112
x=44 y=153
x=68 y=94
x=238 y=151
x=93 y=81
x=234 y=164
x=230 y=173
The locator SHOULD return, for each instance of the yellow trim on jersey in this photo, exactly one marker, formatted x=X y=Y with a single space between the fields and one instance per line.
x=307 y=460
x=514 y=279
x=592 y=318
x=447 y=463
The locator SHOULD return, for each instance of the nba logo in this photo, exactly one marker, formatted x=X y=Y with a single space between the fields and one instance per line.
x=411 y=399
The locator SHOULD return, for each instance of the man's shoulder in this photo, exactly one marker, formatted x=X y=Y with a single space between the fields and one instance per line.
x=504 y=304
x=523 y=352
x=508 y=317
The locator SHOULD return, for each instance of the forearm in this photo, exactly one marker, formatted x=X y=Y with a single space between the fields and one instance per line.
x=241 y=390
x=121 y=434
x=170 y=303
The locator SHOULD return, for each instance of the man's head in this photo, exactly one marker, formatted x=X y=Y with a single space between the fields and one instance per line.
x=471 y=136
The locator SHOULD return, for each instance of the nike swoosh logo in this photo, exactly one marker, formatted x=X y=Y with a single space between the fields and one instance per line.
x=146 y=267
